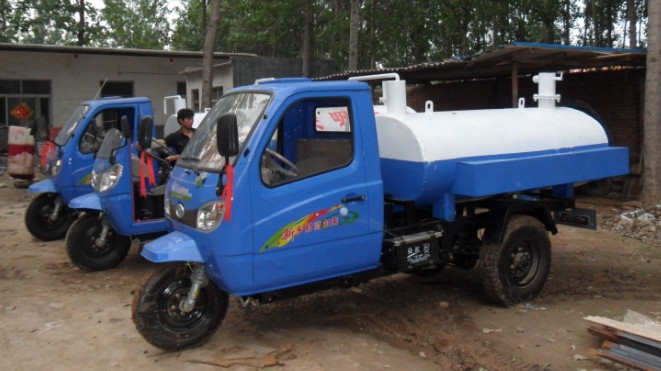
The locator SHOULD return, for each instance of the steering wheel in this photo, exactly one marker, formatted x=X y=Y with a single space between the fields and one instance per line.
x=89 y=140
x=273 y=165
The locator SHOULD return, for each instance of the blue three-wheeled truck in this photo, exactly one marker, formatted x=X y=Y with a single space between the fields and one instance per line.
x=291 y=186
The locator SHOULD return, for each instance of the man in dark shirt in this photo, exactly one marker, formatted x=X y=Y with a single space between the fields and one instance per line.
x=178 y=139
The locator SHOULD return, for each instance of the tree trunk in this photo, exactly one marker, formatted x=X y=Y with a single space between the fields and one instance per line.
x=203 y=26
x=632 y=17
x=566 y=22
x=81 y=23
x=207 y=55
x=307 y=39
x=353 y=35
x=652 y=120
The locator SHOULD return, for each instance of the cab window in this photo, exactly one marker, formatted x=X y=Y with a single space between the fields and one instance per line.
x=313 y=137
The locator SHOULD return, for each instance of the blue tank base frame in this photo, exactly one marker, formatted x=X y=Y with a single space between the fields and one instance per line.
x=486 y=178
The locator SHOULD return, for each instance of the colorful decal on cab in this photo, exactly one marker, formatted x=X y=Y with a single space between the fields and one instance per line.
x=332 y=217
x=180 y=192
x=86 y=180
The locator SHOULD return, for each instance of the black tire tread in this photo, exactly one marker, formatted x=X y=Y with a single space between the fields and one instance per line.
x=78 y=257
x=490 y=269
x=144 y=311
x=34 y=220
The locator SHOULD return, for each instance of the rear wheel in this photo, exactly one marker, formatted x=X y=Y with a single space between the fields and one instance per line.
x=39 y=219
x=158 y=317
x=516 y=270
x=88 y=251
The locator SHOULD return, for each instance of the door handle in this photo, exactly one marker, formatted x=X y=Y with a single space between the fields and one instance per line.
x=353 y=199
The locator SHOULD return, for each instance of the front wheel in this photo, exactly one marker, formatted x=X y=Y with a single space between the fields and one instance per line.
x=157 y=314
x=91 y=248
x=41 y=222
x=516 y=270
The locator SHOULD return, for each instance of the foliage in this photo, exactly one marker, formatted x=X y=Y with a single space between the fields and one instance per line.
x=391 y=32
x=48 y=22
x=141 y=24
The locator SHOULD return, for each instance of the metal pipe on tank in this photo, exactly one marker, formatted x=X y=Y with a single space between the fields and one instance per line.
x=396 y=98
x=394 y=92
x=547 y=96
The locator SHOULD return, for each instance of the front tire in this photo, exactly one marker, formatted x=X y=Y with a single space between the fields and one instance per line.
x=516 y=270
x=156 y=312
x=83 y=248
x=38 y=218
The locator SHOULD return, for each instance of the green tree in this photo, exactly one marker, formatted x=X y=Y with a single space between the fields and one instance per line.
x=190 y=27
x=141 y=24
x=62 y=22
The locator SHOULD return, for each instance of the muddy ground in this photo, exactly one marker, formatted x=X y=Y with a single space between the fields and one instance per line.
x=53 y=316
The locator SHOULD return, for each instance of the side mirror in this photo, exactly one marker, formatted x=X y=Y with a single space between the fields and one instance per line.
x=227 y=135
x=127 y=131
x=145 y=129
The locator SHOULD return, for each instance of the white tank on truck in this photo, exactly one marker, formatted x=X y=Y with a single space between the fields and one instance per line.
x=437 y=158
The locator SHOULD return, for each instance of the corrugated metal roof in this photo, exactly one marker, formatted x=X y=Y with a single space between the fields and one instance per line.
x=525 y=57
x=113 y=51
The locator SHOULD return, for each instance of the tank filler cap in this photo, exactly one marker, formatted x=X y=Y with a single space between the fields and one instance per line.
x=547 y=96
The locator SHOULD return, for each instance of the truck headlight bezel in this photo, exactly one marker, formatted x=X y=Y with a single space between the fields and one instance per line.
x=210 y=215
x=108 y=179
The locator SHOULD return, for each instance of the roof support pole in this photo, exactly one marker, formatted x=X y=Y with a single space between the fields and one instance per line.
x=515 y=85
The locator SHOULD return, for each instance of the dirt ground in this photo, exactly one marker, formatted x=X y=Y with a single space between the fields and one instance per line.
x=53 y=316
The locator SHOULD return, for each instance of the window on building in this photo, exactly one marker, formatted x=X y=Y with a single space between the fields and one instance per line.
x=22 y=101
x=122 y=89
x=195 y=99
x=181 y=89
x=216 y=93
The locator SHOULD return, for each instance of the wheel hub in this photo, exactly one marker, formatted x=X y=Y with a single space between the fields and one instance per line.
x=520 y=263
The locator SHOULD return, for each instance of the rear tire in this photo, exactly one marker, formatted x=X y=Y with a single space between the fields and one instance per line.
x=156 y=312
x=516 y=270
x=82 y=247
x=38 y=222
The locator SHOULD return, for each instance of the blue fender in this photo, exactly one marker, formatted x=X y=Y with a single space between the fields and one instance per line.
x=90 y=201
x=174 y=246
x=42 y=186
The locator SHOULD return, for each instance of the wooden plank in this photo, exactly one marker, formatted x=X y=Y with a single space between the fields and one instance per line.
x=625 y=360
x=643 y=344
x=603 y=333
x=649 y=331
x=632 y=353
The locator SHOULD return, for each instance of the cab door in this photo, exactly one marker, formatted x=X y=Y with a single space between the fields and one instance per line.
x=311 y=197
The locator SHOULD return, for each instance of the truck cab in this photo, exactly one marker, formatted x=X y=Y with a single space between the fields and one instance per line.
x=68 y=162
x=307 y=177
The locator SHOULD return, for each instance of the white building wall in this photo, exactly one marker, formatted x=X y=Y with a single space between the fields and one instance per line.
x=76 y=77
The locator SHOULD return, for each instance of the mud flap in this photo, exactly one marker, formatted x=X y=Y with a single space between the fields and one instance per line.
x=90 y=201
x=42 y=186
x=174 y=246
x=581 y=218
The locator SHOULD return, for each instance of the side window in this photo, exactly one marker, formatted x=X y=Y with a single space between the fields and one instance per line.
x=93 y=136
x=313 y=137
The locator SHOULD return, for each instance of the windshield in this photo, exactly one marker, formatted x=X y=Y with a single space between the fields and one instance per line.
x=201 y=151
x=112 y=141
x=68 y=128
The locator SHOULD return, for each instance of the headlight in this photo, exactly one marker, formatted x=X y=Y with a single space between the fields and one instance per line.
x=166 y=204
x=108 y=179
x=210 y=215
x=52 y=168
x=57 y=167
